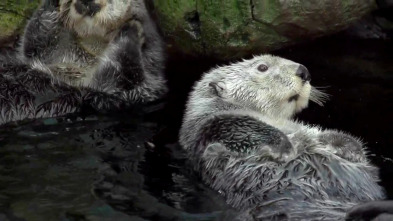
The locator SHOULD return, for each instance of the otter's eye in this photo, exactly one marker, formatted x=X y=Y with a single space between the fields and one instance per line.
x=262 y=68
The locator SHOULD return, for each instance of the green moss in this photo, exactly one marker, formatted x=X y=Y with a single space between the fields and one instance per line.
x=347 y=7
x=172 y=20
x=266 y=11
x=13 y=15
x=8 y=23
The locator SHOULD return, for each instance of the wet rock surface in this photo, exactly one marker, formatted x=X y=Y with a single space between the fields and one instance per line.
x=232 y=29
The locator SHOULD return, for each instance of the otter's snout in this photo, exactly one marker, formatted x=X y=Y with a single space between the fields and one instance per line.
x=303 y=73
x=87 y=7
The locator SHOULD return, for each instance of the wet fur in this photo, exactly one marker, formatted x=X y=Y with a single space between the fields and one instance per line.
x=240 y=136
x=68 y=61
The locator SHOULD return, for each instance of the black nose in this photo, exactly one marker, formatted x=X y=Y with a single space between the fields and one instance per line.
x=86 y=2
x=87 y=7
x=303 y=73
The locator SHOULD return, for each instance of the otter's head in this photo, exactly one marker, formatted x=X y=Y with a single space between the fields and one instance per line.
x=94 y=17
x=271 y=85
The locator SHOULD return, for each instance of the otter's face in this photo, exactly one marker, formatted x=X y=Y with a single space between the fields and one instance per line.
x=94 y=17
x=271 y=85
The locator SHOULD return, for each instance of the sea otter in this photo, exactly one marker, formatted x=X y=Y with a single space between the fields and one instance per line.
x=100 y=54
x=240 y=136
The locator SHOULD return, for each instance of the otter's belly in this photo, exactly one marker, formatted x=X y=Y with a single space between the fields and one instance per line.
x=73 y=73
x=77 y=59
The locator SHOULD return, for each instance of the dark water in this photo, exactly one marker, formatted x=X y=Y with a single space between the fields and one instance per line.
x=128 y=167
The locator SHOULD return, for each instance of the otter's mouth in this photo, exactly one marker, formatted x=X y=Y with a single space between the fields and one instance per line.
x=293 y=98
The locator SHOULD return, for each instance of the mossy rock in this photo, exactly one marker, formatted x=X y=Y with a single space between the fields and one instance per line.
x=235 y=28
x=226 y=28
x=13 y=15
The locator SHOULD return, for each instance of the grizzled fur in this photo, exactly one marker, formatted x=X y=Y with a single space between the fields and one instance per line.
x=74 y=53
x=247 y=134
x=240 y=136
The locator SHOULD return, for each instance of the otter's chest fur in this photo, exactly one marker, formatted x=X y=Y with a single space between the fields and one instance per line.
x=75 y=58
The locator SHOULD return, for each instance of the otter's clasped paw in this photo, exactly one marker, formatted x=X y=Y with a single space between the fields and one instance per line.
x=134 y=31
x=343 y=145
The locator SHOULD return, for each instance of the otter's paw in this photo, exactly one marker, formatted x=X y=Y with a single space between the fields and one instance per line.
x=343 y=145
x=134 y=31
x=280 y=150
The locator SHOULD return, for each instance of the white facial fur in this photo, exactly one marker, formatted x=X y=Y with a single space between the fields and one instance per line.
x=111 y=15
x=268 y=92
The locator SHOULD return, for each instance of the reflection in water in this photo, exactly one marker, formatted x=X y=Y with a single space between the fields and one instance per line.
x=94 y=169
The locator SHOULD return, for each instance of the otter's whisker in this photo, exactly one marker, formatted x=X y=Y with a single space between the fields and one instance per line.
x=318 y=96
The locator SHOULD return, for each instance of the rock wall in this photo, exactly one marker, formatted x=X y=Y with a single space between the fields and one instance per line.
x=234 y=28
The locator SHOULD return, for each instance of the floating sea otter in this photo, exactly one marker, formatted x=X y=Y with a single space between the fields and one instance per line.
x=100 y=54
x=240 y=136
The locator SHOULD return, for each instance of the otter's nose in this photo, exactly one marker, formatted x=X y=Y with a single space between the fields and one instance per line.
x=88 y=7
x=85 y=2
x=303 y=73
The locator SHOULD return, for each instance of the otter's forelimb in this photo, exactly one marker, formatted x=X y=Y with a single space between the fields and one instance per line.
x=121 y=67
x=230 y=146
x=124 y=71
x=244 y=134
x=40 y=32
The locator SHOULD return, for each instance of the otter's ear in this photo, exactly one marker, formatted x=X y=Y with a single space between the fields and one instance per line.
x=219 y=88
